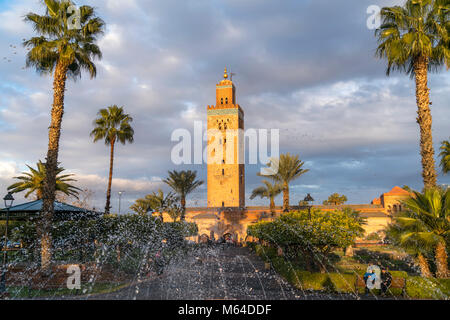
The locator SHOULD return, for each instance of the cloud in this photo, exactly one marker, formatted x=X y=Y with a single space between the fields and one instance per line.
x=304 y=67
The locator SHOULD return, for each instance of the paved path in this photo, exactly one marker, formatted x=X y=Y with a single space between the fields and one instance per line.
x=216 y=273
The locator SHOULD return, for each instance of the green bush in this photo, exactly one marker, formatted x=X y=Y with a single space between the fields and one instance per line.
x=423 y=288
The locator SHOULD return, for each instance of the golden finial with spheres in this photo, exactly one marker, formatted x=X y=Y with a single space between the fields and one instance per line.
x=225 y=74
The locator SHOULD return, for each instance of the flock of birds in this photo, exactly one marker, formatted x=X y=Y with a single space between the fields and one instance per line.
x=8 y=59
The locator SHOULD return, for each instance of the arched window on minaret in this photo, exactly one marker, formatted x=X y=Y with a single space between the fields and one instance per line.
x=226 y=100
x=221 y=100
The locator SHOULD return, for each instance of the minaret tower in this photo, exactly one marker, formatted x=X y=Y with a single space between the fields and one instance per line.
x=226 y=170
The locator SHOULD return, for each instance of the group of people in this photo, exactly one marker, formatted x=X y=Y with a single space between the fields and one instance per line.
x=377 y=278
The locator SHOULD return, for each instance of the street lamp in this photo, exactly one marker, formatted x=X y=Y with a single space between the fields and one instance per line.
x=9 y=199
x=309 y=199
x=120 y=197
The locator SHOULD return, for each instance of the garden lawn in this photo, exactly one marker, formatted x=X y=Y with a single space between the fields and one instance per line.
x=342 y=278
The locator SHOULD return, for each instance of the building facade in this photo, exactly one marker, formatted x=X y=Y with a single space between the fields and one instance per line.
x=392 y=201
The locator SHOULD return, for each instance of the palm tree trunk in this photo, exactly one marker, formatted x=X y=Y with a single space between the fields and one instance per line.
x=51 y=165
x=183 y=207
x=111 y=165
x=272 y=205
x=424 y=120
x=285 y=197
x=441 y=261
x=424 y=267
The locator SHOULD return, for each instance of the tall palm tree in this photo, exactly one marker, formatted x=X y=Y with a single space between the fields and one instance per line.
x=33 y=182
x=65 y=52
x=415 y=39
x=112 y=125
x=183 y=183
x=445 y=156
x=269 y=191
x=289 y=169
x=426 y=222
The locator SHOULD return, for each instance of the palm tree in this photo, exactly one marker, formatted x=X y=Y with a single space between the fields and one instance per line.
x=415 y=39
x=335 y=199
x=112 y=125
x=269 y=191
x=161 y=203
x=156 y=201
x=426 y=223
x=33 y=182
x=183 y=183
x=289 y=169
x=65 y=52
x=445 y=156
x=141 y=206
x=414 y=247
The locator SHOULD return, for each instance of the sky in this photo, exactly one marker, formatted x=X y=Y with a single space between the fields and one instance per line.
x=307 y=68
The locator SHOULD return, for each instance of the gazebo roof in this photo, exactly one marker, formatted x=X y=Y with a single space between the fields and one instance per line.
x=34 y=207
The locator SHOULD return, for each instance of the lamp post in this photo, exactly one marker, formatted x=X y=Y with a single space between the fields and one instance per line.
x=309 y=199
x=120 y=197
x=9 y=199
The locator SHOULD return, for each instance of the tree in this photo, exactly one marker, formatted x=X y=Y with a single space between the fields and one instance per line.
x=426 y=224
x=407 y=188
x=84 y=199
x=141 y=206
x=313 y=238
x=112 y=125
x=156 y=201
x=66 y=51
x=269 y=191
x=415 y=39
x=183 y=183
x=289 y=169
x=395 y=233
x=33 y=182
x=445 y=156
x=335 y=199
x=175 y=211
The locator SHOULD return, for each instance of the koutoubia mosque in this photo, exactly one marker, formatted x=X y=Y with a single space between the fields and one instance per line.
x=226 y=213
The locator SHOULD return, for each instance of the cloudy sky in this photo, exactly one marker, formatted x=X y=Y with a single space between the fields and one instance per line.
x=304 y=67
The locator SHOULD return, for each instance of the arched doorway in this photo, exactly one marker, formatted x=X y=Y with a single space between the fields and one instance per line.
x=228 y=237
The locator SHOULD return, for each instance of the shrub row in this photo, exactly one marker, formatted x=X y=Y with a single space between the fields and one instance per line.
x=416 y=287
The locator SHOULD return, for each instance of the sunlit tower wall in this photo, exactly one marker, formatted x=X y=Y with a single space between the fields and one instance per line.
x=225 y=154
